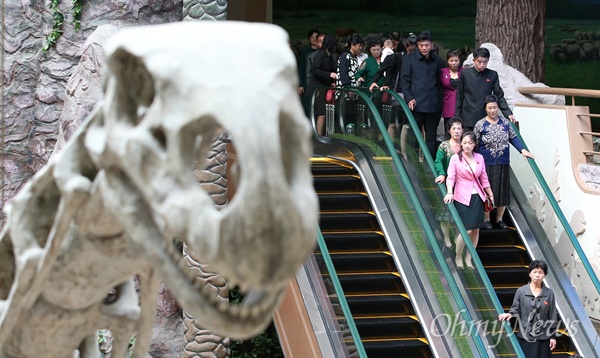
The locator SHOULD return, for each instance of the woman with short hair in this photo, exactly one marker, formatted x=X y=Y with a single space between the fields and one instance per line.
x=534 y=307
x=494 y=134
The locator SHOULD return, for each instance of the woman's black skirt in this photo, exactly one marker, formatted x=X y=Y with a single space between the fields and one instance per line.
x=499 y=177
x=471 y=215
x=537 y=349
x=320 y=102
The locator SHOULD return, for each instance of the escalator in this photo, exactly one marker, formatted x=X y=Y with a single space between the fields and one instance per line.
x=373 y=287
x=386 y=315
x=506 y=260
x=505 y=257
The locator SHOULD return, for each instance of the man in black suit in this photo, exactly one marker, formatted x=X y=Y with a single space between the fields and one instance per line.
x=422 y=89
x=474 y=84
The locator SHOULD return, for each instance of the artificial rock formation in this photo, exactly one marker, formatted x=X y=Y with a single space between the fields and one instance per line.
x=198 y=341
x=35 y=81
x=110 y=204
x=84 y=89
x=204 y=10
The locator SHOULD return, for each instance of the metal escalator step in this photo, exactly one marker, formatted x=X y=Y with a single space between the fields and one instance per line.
x=359 y=263
x=372 y=284
x=563 y=345
x=338 y=184
x=381 y=308
x=413 y=348
x=505 y=276
x=506 y=296
x=571 y=354
x=331 y=169
x=348 y=221
x=388 y=327
x=379 y=305
x=332 y=202
x=356 y=241
x=503 y=256
x=497 y=237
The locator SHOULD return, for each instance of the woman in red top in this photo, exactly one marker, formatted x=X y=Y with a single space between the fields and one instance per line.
x=467 y=184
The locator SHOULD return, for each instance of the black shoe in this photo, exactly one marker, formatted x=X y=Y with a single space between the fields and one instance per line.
x=487 y=225
x=501 y=225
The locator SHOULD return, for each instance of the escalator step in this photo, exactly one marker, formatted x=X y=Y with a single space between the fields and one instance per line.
x=388 y=327
x=331 y=169
x=503 y=256
x=563 y=344
x=506 y=296
x=346 y=201
x=412 y=348
x=368 y=241
x=359 y=262
x=380 y=305
x=372 y=284
x=348 y=222
x=507 y=276
x=498 y=237
x=382 y=310
x=339 y=184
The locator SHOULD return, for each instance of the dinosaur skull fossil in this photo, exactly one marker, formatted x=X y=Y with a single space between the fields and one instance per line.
x=165 y=101
x=107 y=207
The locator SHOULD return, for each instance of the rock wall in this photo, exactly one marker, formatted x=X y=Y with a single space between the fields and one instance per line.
x=35 y=81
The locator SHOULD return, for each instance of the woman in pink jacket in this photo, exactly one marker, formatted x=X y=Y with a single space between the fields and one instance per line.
x=467 y=184
x=449 y=80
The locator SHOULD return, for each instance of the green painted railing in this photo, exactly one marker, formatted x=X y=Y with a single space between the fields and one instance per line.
x=340 y=294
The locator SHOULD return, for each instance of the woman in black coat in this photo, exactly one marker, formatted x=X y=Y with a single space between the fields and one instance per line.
x=323 y=74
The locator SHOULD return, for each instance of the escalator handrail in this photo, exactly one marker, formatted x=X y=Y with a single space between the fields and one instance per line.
x=479 y=266
x=558 y=212
x=464 y=311
x=340 y=294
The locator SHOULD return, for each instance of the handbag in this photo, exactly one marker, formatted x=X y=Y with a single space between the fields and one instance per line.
x=330 y=96
x=488 y=204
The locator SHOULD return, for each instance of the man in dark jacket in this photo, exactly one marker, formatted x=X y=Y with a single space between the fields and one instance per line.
x=421 y=86
x=474 y=84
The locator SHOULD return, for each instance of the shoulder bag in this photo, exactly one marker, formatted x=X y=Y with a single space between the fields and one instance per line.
x=488 y=204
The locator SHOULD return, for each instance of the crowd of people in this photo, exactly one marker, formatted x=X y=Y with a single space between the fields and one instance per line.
x=473 y=162
x=433 y=89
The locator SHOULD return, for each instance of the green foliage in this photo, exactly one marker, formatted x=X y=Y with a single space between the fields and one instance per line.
x=58 y=19
x=130 y=347
x=265 y=344
x=572 y=9
x=77 y=7
x=102 y=338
